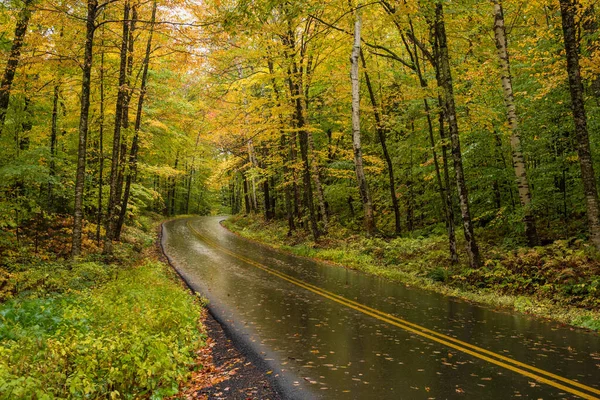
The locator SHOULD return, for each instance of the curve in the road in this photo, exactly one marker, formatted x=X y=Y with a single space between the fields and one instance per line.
x=583 y=391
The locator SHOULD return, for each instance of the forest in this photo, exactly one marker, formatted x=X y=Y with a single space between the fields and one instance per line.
x=448 y=144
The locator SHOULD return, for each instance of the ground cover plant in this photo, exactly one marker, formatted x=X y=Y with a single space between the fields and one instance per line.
x=92 y=329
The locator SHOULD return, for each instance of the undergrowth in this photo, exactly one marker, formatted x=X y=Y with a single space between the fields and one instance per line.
x=120 y=328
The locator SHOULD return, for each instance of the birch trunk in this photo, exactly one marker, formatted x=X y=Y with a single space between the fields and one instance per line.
x=369 y=218
x=515 y=138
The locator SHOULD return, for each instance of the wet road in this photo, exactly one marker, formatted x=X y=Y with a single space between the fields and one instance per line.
x=329 y=332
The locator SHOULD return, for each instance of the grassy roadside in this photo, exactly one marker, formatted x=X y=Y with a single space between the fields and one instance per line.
x=559 y=282
x=95 y=329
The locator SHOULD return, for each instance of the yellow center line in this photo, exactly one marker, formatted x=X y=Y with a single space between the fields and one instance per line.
x=448 y=341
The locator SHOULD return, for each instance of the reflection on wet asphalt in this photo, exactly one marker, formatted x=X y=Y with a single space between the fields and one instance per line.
x=327 y=350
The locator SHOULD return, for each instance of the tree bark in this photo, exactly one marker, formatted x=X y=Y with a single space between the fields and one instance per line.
x=511 y=114
x=363 y=188
x=101 y=145
x=450 y=227
x=450 y=114
x=568 y=10
x=92 y=9
x=133 y=154
x=13 y=60
x=284 y=149
x=128 y=93
x=295 y=86
x=113 y=200
x=130 y=48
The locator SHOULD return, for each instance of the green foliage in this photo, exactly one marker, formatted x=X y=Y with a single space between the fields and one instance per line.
x=566 y=271
x=438 y=274
x=132 y=337
x=46 y=278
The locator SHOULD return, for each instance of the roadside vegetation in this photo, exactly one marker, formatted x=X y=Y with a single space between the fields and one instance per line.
x=560 y=281
x=122 y=327
x=459 y=157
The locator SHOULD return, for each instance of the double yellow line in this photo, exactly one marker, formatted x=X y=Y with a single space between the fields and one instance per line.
x=529 y=371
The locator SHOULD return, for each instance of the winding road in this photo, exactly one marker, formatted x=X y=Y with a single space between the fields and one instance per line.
x=328 y=332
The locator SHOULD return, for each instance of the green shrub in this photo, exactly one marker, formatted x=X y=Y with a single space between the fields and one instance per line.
x=45 y=278
x=134 y=336
x=438 y=274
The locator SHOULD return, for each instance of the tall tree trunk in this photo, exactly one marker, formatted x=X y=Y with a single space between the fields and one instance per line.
x=568 y=10
x=369 y=217
x=296 y=92
x=13 y=60
x=289 y=210
x=130 y=48
x=267 y=196
x=444 y=140
x=382 y=134
x=293 y=156
x=92 y=9
x=450 y=227
x=113 y=200
x=295 y=83
x=414 y=56
x=284 y=149
x=101 y=145
x=128 y=93
x=133 y=154
x=515 y=138
x=265 y=186
x=450 y=114
x=308 y=192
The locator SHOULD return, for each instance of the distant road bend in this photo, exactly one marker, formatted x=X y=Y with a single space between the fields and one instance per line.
x=329 y=332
